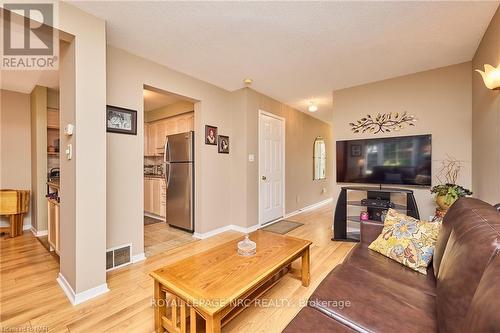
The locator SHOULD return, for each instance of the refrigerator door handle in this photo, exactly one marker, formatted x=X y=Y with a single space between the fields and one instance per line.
x=167 y=165
x=166 y=151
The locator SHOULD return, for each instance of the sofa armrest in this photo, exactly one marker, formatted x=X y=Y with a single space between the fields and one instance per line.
x=369 y=231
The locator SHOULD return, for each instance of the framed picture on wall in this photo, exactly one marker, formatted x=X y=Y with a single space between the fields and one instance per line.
x=223 y=143
x=210 y=135
x=120 y=120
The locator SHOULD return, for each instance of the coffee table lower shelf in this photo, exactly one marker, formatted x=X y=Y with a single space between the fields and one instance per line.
x=174 y=314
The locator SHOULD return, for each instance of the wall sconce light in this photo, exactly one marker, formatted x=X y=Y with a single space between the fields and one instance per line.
x=312 y=107
x=491 y=76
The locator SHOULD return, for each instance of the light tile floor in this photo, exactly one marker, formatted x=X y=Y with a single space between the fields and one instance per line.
x=160 y=237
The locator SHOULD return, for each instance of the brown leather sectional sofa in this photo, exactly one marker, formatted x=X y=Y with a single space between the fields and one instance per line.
x=460 y=293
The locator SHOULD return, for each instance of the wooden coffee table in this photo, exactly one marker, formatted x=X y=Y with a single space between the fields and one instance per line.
x=218 y=284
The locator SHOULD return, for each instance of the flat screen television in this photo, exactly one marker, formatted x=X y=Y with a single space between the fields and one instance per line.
x=403 y=160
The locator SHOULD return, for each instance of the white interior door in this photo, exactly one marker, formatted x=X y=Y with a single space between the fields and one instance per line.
x=271 y=167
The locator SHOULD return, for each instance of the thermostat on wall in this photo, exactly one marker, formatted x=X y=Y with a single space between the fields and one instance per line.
x=68 y=129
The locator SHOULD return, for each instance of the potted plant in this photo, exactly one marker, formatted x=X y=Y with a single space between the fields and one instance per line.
x=447 y=194
x=448 y=191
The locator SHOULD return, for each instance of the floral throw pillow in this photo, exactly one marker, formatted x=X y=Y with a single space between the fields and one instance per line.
x=407 y=240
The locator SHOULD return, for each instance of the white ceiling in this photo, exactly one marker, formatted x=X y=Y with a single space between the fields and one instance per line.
x=154 y=100
x=24 y=81
x=297 y=51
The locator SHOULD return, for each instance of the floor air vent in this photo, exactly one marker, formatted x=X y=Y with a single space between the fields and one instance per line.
x=118 y=257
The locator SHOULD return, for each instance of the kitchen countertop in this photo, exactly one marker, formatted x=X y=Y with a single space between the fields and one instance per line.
x=54 y=183
x=153 y=176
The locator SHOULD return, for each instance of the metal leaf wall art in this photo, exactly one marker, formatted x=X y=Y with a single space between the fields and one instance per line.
x=386 y=122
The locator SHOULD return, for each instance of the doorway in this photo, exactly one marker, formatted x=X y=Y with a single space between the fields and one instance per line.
x=271 y=167
x=168 y=118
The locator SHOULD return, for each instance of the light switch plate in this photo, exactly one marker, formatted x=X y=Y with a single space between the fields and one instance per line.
x=69 y=151
x=251 y=157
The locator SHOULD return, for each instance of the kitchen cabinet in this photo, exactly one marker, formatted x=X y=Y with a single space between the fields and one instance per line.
x=146 y=139
x=152 y=137
x=161 y=133
x=147 y=195
x=53 y=224
x=190 y=122
x=53 y=220
x=155 y=196
x=156 y=132
x=170 y=126
x=163 y=199
x=181 y=124
x=155 y=191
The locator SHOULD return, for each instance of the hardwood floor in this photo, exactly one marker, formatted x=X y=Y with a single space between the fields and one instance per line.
x=32 y=300
x=160 y=237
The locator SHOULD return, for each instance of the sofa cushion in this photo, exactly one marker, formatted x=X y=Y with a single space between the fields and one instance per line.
x=312 y=320
x=376 y=303
x=407 y=240
x=369 y=231
x=451 y=219
x=375 y=263
x=483 y=314
x=473 y=241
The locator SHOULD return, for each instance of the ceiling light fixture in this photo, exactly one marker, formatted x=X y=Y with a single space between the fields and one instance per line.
x=312 y=107
x=491 y=76
x=248 y=81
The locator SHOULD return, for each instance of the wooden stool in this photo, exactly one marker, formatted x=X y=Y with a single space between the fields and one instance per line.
x=15 y=204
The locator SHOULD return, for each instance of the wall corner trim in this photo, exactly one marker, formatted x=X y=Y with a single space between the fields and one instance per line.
x=138 y=257
x=310 y=207
x=238 y=228
x=37 y=233
x=230 y=227
x=77 y=298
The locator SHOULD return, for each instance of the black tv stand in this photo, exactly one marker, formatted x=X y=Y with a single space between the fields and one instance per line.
x=341 y=218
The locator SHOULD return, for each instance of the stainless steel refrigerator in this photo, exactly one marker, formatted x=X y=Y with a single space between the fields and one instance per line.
x=179 y=174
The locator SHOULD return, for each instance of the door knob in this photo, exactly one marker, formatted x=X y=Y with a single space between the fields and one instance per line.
x=264 y=177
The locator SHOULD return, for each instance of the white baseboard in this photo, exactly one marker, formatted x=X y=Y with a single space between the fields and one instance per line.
x=138 y=257
x=230 y=227
x=212 y=232
x=238 y=228
x=26 y=227
x=77 y=298
x=154 y=216
x=245 y=230
x=310 y=207
x=37 y=233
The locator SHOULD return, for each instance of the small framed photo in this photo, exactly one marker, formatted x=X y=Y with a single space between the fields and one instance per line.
x=356 y=150
x=210 y=135
x=120 y=120
x=223 y=143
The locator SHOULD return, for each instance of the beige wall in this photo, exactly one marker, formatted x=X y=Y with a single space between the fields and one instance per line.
x=67 y=192
x=486 y=119
x=83 y=178
x=15 y=144
x=127 y=74
x=300 y=132
x=227 y=176
x=38 y=105
x=441 y=101
x=52 y=98
x=168 y=111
